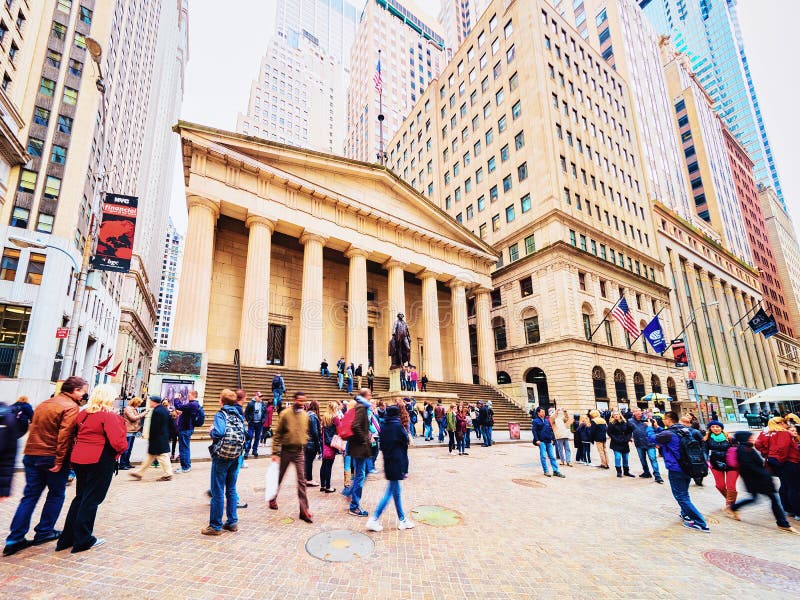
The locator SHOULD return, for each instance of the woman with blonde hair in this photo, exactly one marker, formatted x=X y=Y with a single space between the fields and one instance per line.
x=560 y=424
x=585 y=434
x=133 y=423
x=599 y=430
x=329 y=421
x=100 y=441
x=620 y=432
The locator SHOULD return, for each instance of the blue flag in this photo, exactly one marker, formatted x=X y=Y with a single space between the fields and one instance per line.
x=654 y=335
x=771 y=329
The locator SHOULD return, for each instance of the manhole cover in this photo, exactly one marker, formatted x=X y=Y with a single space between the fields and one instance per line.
x=438 y=516
x=339 y=545
x=755 y=570
x=286 y=521
x=529 y=483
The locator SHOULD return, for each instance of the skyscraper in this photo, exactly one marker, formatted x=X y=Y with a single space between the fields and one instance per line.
x=412 y=55
x=332 y=23
x=708 y=33
x=168 y=289
x=458 y=17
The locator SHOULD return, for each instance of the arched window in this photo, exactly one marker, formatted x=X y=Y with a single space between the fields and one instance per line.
x=672 y=391
x=599 y=384
x=503 y=377
x=538 y=379
x=655 y=384
x=499 y=330
x=587 y=312
x=530 y=324
x=620 y=386
x=638 y=387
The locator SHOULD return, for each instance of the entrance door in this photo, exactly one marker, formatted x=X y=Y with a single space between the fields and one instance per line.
x=276 y=344
x=370 y=347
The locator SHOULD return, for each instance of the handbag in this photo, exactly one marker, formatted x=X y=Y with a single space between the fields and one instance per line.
x=271 y=481
x=338 y=443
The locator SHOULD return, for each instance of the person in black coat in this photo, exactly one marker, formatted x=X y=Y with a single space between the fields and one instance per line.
x=157 y=441
x=394 y=445
x=757 y=480
x=8 y=448
x=620 y=432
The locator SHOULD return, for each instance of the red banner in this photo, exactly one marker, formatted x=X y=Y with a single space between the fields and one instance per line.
x=679 y=353
x=115 y=241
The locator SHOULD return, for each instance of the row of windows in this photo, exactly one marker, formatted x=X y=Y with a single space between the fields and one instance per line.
x=619 y=224
x=9 y=264
x=610 y=254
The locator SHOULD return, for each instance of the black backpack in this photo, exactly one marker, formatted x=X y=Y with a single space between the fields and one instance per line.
x=199 y=417
x=692 y=459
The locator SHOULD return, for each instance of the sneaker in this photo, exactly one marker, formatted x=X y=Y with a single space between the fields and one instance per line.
x=233 y=528
x=406 y=524
x=374 y=525
x=465 y=453
x=696 y=526
x=729 y=512
x=165 y=478
x=11 y=549
x=560 y=474
x=181 y=470
x=241 y=504
x=51 y=537
x=547 y=474
x=97 y=543
x=659 y=480
x=273 y=504
x=210 y=531
x=645 y=476
x=357 y=512
x=307 y=517
x=311 y=484
x=789 y=529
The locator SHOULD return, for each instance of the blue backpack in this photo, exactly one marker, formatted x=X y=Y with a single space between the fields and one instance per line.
x=199 y=417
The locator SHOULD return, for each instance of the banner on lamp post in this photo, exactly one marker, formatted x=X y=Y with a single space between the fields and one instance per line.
x=117 y=229
x=679 y=353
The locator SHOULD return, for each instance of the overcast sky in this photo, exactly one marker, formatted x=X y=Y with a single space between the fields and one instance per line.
x=226 y=46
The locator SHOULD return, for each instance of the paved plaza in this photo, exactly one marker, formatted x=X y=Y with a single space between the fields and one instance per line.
x=509 y=533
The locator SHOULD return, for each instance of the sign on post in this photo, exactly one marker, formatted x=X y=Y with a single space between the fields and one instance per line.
x=691 y=375
x=115 y=240
x=62 y=333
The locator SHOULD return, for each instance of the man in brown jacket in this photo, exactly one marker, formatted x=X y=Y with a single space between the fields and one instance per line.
x=46 y=463
x=288 y=445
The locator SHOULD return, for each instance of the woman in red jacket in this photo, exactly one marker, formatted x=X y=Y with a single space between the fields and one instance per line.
x=780 y=446
x=101 y=438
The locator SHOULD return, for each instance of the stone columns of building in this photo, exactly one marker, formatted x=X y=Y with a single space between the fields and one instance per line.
x=191 y=313
x=311 y=313
x=720 y=343
x=357 y=315
x=699 y=316
x=254 y=329
x=430 y=327
x=487 y=369
x=774 y=351
x=769 y=359
x=461 y=351
x=397 y=288
x=741 y=365
x=761 y=376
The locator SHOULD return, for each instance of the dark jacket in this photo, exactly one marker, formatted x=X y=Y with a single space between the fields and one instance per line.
x=427 y=416
x=620 y=434
x=314 y=433
x=599 y=431
x=360 y=444
x=671 y=445
x=24 y=414
x=8 y=448
x=751 y=469
x=188 y=410
x=640 y=437
x=250 y=412
x=394 y=445
x=585 y=432
x=542 y=430
x=158 y=438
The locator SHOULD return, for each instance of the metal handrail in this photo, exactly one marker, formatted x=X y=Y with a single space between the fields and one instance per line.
x=508 y=398
x=238 y=364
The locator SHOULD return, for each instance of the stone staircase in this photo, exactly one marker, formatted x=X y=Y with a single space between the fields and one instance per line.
x=324 y=390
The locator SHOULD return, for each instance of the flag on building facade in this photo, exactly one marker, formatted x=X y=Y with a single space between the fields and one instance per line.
x=113 y=372
x=624 y=317
x=771 y=328
x=654 y=335
x=378 y=79
x=103 y=364
x=760 y=321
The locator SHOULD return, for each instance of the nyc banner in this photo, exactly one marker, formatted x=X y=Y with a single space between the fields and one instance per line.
x=679 y=353
x=115 y=241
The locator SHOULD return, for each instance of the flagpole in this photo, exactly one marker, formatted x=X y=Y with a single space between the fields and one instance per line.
x=678 y=337
x=591 y=335
x=380 y=117
x=744 y=317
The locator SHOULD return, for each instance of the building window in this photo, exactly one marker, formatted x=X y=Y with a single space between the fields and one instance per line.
x=496 y=223
x=52 y=187
x=603 y=289
x=502 y=124
x=499 y=97
x=75 y=67
x=609 y=336
x=519 y=140
x=19 y=217
x=64 y=6
x=522 y=172
x=497 y=299
x=572 y=237
x=41 y=116
x=526 y=286
x=482 y=231
x=45 y=223
x=525 y=203
x=47 y=87
x=513 y=253
x=86 y=15
x=532 y=330
x=59 y=31
x=510 y=215
x=80 y=41
x=582 y=281
x=53 y=59
x=507 y=183
x=587 y=326
x=35 y=269
x=64 y=124
x=513 y=82
x=504 y=153
x=499 y=331
x=583 y=242
x=490 y=164
x=9 y=264
x=530 y=245
x=35 y=147
x=70 y=96
x=27 y=181
x=516 y=110
x=13 y=330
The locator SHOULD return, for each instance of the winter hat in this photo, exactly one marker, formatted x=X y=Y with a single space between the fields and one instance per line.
x=392 y=410
x=715 y=422
x=742 y=437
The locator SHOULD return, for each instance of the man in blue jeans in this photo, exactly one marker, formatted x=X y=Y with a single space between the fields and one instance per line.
x=188 y=410
x=669 y=440
x=644 y=431
x=254 y=415
x=278 y=390
x=46 y=463
x=360 y=449
x=544 y=438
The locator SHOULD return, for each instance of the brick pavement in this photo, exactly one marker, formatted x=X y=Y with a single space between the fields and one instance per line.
x=590 y=534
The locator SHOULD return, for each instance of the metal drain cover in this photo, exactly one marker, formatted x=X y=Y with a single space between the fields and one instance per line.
x=438 y=516
x=340 y=545
x=755 y=570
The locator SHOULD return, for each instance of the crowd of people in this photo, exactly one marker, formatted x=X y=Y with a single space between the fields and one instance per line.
x=94 y=443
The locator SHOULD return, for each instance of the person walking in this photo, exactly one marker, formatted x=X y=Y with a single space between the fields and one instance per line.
x=190 y=411
x=544 y=438
x=441 y=422
x=427 y=422
x=371 y=378
x=488 y=423
x=461 y=430
x=779 y=446
x=450 y=426
x=340 y=368
x=101 y=438
x=133 y=424
x=314 y=444
x=468 y=416
x=757 y=480
x=717 y=444
x=46 y=464
x=394 y=445
x=599 y=436
x=157 y=436
x=278 y=389
x=228 y=435
x=288 y=444
x=10 y=432
x=348 y=378
x=360 y=450
x=560 y=423
x=620 y=432
x=644 y=431
x=585 y=432
x=254 y=416
x=329 y=422
x=670 y=441
x=359 y=374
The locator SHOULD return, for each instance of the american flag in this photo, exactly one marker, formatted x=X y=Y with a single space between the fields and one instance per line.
x=623 y=315
x=378 y=79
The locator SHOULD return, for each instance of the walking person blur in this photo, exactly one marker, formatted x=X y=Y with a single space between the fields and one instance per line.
x=599 y=429
x=620 y=432
x=560 y=423
x=544 y=439
x=585 y=432
x=644 y=439
x=329 y=423
x=779 y=447
x=10 y=432
x=46 y=463
x=450 y=418
x=133 y=424
x=254 y=415
x=288 y=446
x=101 y=438
x=228 y=435
x=359 y=447
x=158 y=436
x=717 y=444
x=190 y=410
x=394 y=445
x=314 y=444
x=278 y=390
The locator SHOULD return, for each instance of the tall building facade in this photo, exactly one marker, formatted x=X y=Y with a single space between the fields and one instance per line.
x=533 y=135
x=298 y=97
x=168 y=289
x=458 y=17
x=412 y=55
x=709 y=34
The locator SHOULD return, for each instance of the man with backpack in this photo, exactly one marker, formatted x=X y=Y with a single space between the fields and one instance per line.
x=278 y=390
x=288 y=448
x=254 y=415
x=685 y=460
x=192 y=415
x=228 y=433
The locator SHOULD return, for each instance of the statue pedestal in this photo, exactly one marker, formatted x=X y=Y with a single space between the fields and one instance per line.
x=394 y=380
